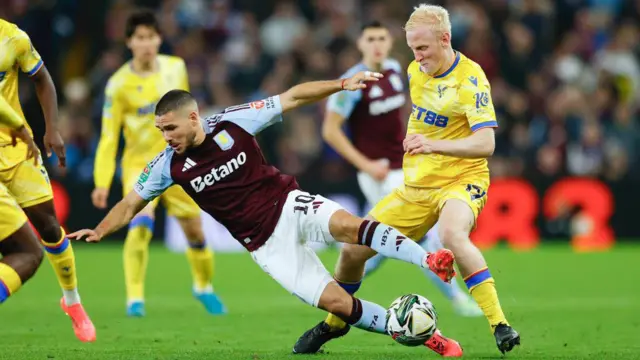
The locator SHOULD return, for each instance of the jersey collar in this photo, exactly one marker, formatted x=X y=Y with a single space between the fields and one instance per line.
x=453 y=66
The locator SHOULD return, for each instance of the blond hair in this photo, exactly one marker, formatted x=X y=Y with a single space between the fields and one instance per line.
x=434 y=17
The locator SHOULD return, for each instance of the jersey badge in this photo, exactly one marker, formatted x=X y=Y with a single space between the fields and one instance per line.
x=441 y=90
x=224 y=140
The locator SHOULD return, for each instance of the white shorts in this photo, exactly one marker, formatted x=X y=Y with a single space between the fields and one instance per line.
x=374 y=190
x=287 y=258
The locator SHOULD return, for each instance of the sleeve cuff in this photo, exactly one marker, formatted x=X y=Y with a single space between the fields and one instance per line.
x=35 y=68
x=483 y=125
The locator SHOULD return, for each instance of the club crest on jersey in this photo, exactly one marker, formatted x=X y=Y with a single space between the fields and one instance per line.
x=441 y=90
x=224 y=140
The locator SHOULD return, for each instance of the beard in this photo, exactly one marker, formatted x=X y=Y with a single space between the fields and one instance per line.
x=191 y=140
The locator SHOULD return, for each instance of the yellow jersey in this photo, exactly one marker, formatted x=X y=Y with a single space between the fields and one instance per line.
x=449 y=106
x=130 y=101
x=16 y=53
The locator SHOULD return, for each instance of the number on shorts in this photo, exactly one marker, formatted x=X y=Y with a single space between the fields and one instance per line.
x=303 y=199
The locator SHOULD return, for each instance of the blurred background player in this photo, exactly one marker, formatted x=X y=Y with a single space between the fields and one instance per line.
x=21 y=253
x=376 y=123
x=27 y=181
x=131 y=96
x=449 y=138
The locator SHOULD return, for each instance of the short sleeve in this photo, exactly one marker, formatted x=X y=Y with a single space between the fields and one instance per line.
x=28 y=58
x=255 y=116
x=155 y=177
x=475 y=101
x=344 y=102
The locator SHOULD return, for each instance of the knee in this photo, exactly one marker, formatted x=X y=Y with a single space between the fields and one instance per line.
x=194 y=235
x=452 y=237
x=192 y=229
x=49 y=230
x=344 y=227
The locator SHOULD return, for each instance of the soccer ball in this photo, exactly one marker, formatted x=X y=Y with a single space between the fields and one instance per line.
x=411 y=320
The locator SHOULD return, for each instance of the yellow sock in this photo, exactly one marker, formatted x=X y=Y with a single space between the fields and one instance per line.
x=9 y=282
x=201 y=261
x=334 y=322
x=63 y=261
x=483 y=289
x=136 y=256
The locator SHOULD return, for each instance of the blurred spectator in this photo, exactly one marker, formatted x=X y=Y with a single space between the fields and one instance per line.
x=280 y=32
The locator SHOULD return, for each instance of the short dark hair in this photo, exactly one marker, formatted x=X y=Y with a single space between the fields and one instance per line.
x=173 y=100
x=374 y=24
x=143 y=17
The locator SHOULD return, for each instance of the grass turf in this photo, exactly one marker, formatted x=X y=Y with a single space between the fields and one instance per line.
x=565 y=305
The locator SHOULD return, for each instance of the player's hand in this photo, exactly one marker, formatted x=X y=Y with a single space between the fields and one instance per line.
x=32 y=149
x=99 y=197
x=378 y=169
x=88 y=234
x=53 y=143
x=418 y=144
x=356 y=82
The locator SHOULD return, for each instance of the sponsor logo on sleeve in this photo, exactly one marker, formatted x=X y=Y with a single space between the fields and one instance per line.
x=257 y=104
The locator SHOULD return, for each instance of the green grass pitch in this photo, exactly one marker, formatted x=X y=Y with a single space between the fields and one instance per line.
x=565 y=305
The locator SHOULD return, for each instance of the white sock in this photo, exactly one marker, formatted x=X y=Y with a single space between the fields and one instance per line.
x=373 y=317
x=206 y=290
x=389 y=242
x=71 y=297
x=131 y=301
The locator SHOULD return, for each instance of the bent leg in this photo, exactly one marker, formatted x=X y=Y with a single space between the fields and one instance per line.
x=21 y=257
x=456 y=222
x=381 y=238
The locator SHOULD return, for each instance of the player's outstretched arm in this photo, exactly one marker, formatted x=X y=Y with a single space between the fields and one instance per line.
x=480 y=144
x=119 y=216
x=313 y=91
x=48 y=98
